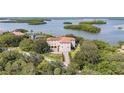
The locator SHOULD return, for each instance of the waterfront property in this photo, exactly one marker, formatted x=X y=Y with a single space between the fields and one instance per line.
x=109 y=33
x=61 y=44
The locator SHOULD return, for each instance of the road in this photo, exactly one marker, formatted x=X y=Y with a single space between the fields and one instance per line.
x=66 y=58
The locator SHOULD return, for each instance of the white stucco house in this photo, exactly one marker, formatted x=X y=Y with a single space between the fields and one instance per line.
x=61 y=44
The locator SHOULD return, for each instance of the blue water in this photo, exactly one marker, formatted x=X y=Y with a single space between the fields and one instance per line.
x=108 y=33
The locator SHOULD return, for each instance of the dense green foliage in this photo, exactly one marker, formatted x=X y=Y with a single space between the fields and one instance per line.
x=93 y=22
x=21 y=30
x=10 y=40
x=38 y=46
x=1 y=49
x=14 y=63
x=31 y=21
x=26 y=44
x=67 y=23
x=103 y=46
x=109 y=62
x=32 y=57
x=46 y=68
x=57 y=71
x=72 y=69
x=88 y=54
x=103 y=68
x=84 y=27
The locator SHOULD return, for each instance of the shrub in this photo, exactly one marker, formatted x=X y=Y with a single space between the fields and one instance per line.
x=57 y=71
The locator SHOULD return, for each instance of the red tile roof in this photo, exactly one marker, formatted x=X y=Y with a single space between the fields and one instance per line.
x=61 y=39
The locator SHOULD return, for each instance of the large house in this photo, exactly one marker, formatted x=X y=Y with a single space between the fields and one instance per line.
x=61 y=44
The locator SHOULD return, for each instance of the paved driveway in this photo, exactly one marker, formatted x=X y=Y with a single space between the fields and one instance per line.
x=66 y=58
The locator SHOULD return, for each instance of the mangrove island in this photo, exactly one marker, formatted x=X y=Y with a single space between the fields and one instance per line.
x=84 y=27
x=67 y=23
x=30 y=21
x=93 y=22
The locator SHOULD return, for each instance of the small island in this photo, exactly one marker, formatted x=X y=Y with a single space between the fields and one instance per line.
x=30 y=21
x=119 y=27
x=84 y=27
x=67 y=23
x=93 y=22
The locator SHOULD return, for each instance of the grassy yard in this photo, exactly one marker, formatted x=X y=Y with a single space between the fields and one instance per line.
x=53 y=57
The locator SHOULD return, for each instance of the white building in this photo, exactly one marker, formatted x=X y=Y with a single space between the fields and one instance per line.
x=61 y=44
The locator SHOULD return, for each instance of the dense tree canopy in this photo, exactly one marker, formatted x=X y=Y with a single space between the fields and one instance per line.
x=38 y=46
x=84 y=27
x=72 y=69
x=46 y=68
x=10 y=40
x=88 y=54
x=21 y=30
x=36 y=21
x=26 y=44
x=103 y=68
x=14 y=63
x=57 y=71
x=67 y=23
x=94 y=22
x=91 y=57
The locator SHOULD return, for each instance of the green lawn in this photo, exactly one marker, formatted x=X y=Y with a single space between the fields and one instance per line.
x=53 y=57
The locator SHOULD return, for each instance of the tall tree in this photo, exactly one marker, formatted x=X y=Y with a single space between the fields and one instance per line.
x=88 y=54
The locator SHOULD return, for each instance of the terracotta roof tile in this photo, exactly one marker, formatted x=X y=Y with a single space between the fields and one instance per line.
x=61 y=39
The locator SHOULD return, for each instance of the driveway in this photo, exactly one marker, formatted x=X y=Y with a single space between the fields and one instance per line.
x=66 y=58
